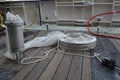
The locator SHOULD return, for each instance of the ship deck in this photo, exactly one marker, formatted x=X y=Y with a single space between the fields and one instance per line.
x=61 y=66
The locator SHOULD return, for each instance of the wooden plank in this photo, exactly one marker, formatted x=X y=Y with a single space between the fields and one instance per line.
x=3 y=38
x=18 y=66
x=116 y=43
x=31 y=52
x=76 y=67
x=3 y=49
x=30 y=36
x=51 y=68
x=86 y=71
x=3 y=45
x=2 y=53
x=37 y=34
x=28 y=52
x=64 y=68
x=39 y=68
x=44 y=34
x=7 y=63
x=25 y=69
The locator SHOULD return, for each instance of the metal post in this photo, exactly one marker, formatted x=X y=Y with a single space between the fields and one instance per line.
x=47 y=22
x=39 y=12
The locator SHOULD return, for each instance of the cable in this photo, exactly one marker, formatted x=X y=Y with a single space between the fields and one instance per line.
x=103 y=35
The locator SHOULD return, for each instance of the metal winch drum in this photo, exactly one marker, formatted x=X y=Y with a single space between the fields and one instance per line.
x=15 y=37
x=77 y=41
x=15 y=40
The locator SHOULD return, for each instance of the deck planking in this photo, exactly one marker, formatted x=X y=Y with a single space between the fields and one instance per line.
x=116 y=42
x=7 y=64
x=56 y=67
x=27 y=68
x=86 y=71
x=76 y=67
x=52 y=67
x=63 y=69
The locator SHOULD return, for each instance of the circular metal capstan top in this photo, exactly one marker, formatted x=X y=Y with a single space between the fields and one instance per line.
x=78 y=41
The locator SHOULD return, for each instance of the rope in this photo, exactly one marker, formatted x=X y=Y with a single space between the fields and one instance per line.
x=59 y=50
x=39 y=58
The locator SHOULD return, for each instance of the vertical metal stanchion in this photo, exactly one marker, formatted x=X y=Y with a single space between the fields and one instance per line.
x=47 y=22
x=98 y=25
x=39 y=12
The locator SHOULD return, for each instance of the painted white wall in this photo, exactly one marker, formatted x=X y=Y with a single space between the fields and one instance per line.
x=28 y=12
x=103 y=1
x=116 y=17
x=78 y=12
x=65 y=13
x=103 y=8
x=48 y=9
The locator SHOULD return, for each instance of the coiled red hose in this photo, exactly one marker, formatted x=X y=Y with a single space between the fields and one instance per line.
x=103 y=35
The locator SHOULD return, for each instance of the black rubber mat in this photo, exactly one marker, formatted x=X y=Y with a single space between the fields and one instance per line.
x=6 y=74
x=106 y=49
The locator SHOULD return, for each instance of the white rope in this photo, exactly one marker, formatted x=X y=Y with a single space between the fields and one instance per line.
x=39 y=58
x=59 y=50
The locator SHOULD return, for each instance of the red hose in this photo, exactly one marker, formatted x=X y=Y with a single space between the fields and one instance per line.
x=103 y=35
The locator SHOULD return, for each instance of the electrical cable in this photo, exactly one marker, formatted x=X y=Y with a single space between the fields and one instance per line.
x=103 y=35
